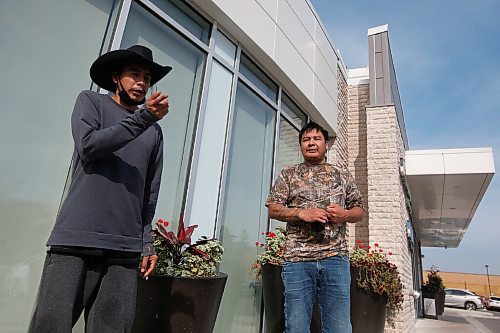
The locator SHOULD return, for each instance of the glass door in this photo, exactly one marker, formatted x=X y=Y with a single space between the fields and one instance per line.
x=243 y=214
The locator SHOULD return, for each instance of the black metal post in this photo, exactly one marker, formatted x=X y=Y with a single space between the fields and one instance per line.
x=488 y=275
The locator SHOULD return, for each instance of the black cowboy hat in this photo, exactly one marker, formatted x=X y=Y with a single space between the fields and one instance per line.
x=102 y=69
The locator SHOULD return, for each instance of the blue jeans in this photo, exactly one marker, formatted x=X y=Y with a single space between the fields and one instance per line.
x=330 y=280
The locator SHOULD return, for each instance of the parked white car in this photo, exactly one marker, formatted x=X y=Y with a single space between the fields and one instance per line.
x=462 y=298
x=494 y=302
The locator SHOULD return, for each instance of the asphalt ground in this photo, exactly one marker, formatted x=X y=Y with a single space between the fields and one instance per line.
x=461 y=321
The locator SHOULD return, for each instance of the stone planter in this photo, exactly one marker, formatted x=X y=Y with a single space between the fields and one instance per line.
x=178 y=304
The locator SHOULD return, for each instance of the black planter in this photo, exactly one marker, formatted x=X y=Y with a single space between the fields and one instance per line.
x=438 y=297
x=368 y=309
x=176 y=304
x=273 y=291
x=440 y=302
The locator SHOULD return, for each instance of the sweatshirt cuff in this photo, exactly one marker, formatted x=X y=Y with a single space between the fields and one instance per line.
x=148 y=250
x=147 y=116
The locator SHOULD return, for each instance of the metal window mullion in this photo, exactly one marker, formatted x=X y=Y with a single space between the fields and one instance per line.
x=224 y=63
x=277 y=126
x=225 y=160
x=292 y=122
x=120 y=25
x=174 y=24
x=277 y=136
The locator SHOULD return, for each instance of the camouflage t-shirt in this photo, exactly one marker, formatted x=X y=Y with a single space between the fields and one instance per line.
x=315 y=186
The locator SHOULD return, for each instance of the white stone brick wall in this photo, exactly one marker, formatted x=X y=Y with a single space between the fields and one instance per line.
x=375 y=147
x=386 y=203
x=338 y=153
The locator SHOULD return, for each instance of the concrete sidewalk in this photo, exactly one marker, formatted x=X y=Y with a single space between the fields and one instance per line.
x=442 y=326
x=459 y=321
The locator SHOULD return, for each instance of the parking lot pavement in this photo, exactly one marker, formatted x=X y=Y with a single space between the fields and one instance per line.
x=461 y=321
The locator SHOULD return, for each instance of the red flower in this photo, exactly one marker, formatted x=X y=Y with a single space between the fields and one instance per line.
x=390 y=253
x=380 y=250
x=165 y=223
x=368 y=247
x=257 y=243
x=359 y=241
x=280 y=253
x=272 y=234
x=376 y=244
x=360 y=246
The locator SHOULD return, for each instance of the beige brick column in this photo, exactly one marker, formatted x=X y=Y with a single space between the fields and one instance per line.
x=386 y=202
x=339 y=151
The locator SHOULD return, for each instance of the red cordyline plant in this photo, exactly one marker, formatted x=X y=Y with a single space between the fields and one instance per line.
x=178 y=257
x=271 y=251
x=377 y=274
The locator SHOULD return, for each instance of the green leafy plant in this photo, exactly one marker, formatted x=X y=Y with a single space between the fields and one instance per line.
x=271 y=251
x=434 y=282
x=377 y=273
x=178 y=257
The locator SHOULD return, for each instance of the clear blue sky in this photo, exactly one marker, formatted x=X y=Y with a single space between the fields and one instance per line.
x=447 y=59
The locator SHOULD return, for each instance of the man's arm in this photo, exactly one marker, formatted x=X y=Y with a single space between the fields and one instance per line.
x=282 y=213
x=151 y=191
x=353 y=211
x=93 y=142
x=338 y=214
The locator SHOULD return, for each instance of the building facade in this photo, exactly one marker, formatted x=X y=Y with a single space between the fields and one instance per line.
x=247 y=75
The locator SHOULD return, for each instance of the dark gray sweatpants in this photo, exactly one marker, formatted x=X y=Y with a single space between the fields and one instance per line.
x=102 y=284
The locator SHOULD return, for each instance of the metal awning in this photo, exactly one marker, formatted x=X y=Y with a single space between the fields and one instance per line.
x=446 y=187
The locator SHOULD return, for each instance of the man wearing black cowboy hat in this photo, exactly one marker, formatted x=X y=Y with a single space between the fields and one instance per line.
x=104 y=223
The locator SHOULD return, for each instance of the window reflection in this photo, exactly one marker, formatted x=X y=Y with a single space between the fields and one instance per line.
x=252 y=72
x=183 y=85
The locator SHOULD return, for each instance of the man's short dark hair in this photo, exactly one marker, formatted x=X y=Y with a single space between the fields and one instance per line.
x=311 y=126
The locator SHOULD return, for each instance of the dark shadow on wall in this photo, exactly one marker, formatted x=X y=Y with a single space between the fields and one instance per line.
x=361 y=230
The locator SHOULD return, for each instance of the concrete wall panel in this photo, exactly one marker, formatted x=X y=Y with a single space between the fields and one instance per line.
x=270 y=6
x=325 y=103
x=246 y=15
x=325 y=47
x=325 y=74
x=304 y=13
x=293 y=29
x=291 y=62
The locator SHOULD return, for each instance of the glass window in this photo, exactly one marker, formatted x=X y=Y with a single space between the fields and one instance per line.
x=211 y=152
x=244 y=215
x=288 y=153
x=289 y=148
x=292 y=110
x=183 y=86
x=46 y=51
x=224 y=47
x=186 y=16
x=253 y=73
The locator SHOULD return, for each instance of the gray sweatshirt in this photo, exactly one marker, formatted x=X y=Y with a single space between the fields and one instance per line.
x=115 y=178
